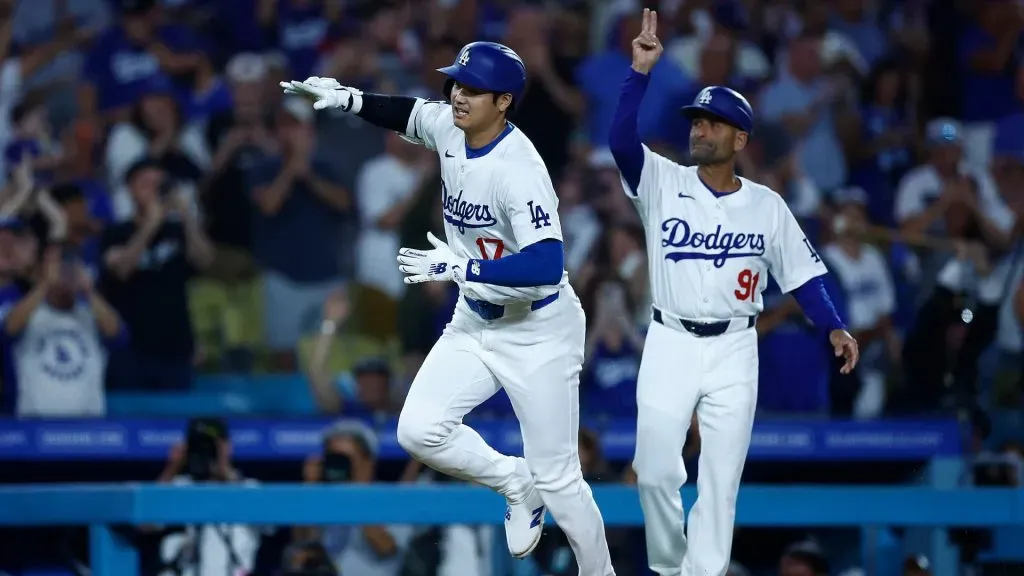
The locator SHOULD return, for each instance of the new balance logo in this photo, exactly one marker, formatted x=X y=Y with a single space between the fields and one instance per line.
x=538 y=217
x=438 y=268
x=508 y=513
x=538 y=517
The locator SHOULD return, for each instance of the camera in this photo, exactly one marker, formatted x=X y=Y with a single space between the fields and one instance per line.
x=167 y=187
x=336 y=468
x=202 y=447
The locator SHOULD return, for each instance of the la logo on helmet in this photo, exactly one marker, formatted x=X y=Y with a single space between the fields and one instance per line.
x=705 y=97
x=464 y=57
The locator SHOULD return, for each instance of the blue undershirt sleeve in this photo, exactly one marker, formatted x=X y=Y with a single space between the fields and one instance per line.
x=624 y=139
x=817 y=305
x=539 y=264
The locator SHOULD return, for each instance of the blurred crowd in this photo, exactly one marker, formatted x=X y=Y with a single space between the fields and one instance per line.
x=152 y=164
x=166 y=212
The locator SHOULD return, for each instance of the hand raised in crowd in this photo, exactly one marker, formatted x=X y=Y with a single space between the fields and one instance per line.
x=647 y=47
x=155 y=214
x=336 y=307
x=179 y=203
x=83 y=280
x=52 y=266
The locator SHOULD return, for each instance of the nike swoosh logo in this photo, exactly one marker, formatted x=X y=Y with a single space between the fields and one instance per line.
x=681 y=195
x=448 y=154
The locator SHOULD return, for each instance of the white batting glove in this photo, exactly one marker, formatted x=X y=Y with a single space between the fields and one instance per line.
x=324 y=93
x=437 y=265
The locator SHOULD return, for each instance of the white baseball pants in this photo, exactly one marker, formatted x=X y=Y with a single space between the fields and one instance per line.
x=717 y=377
x=537 y=357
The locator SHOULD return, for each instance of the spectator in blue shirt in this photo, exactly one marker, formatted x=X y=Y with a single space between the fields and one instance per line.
x=612 y=359
x=600 y=75
x=299 y=209
x=11 y=232
x=125 y=59
x=987 y=63
x=881 y=140
x=299 y=28
x=804 y=101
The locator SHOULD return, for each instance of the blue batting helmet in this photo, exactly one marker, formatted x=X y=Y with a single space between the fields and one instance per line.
x=722 y=103
x=487 y=66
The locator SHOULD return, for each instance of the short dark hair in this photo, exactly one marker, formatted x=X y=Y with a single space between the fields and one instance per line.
x=141 y=165
x=64 y=194
x=24 y=108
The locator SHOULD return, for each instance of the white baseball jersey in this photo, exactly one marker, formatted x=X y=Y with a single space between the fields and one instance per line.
x=496 y=200
x=710 y=254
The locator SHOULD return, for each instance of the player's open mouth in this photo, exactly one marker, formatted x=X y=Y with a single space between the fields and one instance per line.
x=460 y=112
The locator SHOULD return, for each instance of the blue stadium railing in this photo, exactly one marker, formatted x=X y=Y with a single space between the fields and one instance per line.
x=103 y=507
x=937 y=502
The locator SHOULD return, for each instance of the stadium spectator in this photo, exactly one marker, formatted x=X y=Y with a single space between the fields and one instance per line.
x=147 y=262
x=805 y=101
x=18 y=66
x=206 y=549
x=156 y=130
x=32 y=140
x=368 y=392
x=551 y=103
x=720 y=48
x=601 y=72
x=349 y=456
x=125 y=60
x=299 y=205
x=227 y=300
x=879 y=138
x=384 y=193
x=612 y=357
x=59 y=332
x=861 y=273
x=81 y=228
x=804 y=559
x=987 y=64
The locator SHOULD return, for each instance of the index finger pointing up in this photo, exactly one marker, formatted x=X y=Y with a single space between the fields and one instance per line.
x=652 y=27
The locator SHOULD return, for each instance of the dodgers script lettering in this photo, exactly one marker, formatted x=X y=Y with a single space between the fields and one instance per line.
x=716 y=245
x=462 y=214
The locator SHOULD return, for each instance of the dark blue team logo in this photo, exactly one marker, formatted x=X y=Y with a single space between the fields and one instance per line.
x=64 y=353
x=717 y=246
x=462 y=214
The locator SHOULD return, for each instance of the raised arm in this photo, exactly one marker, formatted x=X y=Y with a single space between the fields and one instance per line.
x=624 y=140
x=416 y=119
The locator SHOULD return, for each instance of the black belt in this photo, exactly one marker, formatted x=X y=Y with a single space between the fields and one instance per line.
x=701 y=329
x=489 y=311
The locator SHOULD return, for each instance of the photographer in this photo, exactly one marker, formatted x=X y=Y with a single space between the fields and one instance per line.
x=206 y=550
x=349 y=456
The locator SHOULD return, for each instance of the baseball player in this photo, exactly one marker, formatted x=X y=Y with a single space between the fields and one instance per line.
x=518 y=323
x=712 y=238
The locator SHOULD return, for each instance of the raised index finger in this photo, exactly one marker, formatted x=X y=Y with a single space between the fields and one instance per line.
x=645 y=24
x=653 y=27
